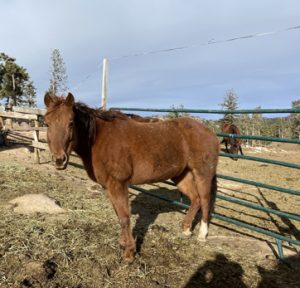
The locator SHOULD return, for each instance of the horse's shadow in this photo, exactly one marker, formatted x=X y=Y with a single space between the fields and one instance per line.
x=148 y=208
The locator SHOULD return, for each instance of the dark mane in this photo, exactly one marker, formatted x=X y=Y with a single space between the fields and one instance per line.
x=98 y=113
x=85 y=120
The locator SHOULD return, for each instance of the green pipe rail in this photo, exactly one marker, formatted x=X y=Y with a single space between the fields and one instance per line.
x=263 y=160
x=212 y=111
x=251 y=205
x=259 y=184
x=262 y=138
x=220 y=217
x=260 y=208
x=279 y=238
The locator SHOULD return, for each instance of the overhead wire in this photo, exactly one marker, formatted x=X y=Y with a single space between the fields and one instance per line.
x=197 y=44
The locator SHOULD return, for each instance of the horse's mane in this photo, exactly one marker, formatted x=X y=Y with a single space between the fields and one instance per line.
x=85 y=119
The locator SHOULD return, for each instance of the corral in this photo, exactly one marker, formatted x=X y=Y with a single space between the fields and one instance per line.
x=75 y=244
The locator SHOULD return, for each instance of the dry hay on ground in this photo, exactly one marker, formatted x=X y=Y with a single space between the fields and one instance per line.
x=81 y=249
x=35 y=203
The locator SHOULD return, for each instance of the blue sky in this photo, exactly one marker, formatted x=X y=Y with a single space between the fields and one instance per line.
x=263 y=71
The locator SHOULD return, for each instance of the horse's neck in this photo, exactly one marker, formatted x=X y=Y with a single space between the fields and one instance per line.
x=84 y=151
x=86 y=158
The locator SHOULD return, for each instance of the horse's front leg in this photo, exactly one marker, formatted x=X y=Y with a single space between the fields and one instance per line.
x=118 y=194
x=226 y=147
x=241 y=150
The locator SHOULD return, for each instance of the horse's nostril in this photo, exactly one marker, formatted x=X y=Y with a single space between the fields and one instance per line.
x=62 y=161
x=59 y=161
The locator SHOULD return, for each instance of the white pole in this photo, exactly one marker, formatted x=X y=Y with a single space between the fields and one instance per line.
x=104 y=83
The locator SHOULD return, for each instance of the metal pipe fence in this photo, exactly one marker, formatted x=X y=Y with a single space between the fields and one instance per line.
x=212 y=111
x=279 y=238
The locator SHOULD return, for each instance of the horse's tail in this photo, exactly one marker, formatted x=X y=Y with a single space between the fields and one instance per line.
x=213 y=194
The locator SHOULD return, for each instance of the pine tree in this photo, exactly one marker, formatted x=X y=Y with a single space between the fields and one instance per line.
x=30 y=93
x=257 y=122
x=295 y=120
x=13 y=81
x=176 y=114
x=230 y=103
x=58 y=75
x=244 y=123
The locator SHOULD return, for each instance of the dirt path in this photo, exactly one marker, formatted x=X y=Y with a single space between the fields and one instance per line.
x=78 y=247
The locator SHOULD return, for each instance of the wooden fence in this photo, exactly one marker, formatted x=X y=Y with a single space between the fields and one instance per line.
x=33 y=119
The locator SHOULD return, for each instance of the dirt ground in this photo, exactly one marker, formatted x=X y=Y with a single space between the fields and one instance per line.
x=77 y=245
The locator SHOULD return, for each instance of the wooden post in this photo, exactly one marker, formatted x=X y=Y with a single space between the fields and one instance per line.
x=104 y=83
x=36 y=138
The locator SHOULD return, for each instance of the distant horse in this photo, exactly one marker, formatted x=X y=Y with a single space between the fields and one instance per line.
x=118 y=151
x=234 y=143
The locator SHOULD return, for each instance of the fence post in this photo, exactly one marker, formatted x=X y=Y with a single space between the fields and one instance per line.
x=36 y=138
x=104 y=83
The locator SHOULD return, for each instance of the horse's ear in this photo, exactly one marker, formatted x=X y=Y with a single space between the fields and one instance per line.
x=70 y=100
x=48 y=99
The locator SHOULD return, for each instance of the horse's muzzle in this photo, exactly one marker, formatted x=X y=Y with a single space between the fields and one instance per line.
x=62 y=162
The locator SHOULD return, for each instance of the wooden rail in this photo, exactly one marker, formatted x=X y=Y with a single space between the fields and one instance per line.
x=29 y=114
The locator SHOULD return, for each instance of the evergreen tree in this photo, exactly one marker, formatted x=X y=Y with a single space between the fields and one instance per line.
x=244 y=123
x=176 y=114
x=257 y=122
x=58 y=75
x=230 y=103
x=30 y=93
x=13 y=81
x=295 y=120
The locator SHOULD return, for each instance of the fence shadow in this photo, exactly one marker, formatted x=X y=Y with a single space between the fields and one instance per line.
x=285 y=274
x=219 y=273
x=291 y=229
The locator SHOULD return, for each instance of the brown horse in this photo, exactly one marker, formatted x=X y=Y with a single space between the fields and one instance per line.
x=234 y=143
x=118 y=151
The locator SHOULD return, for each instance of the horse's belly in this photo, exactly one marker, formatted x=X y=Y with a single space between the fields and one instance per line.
x=154 y=170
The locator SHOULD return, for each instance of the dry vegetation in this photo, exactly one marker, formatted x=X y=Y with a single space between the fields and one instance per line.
x=79 y=246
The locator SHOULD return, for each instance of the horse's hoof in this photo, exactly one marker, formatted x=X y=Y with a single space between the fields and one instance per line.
x=186 y=234
x=201 y=239
x=128 y=259
x=122 y=243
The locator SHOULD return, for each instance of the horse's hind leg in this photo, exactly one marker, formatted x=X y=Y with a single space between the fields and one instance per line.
x=204 y=187
x=187 y=186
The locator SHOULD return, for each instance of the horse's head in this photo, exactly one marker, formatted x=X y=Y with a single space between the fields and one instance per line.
x=60 y=134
